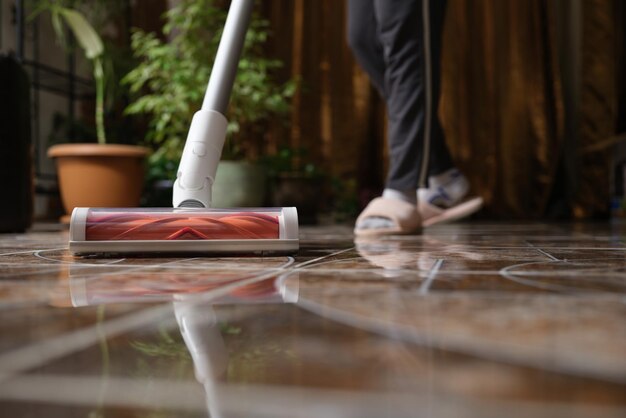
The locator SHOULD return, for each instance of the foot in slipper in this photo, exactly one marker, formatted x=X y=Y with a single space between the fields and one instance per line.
x=445 y=200
x=388 y=216
x=432 y=214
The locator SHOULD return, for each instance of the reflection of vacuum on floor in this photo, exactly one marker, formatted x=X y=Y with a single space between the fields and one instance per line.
x=191 y=226
x=200 y=329
x=201 y=332
x=195 y=316
x=148 y=286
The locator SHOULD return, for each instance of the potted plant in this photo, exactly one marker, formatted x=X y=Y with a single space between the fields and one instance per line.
x=295 y=182
x=93 y=174
x=170 y=82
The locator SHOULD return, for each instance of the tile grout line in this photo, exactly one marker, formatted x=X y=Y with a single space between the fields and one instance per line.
x=32 y=251
x=305 y=263
x=547 y=254
x=431 y=277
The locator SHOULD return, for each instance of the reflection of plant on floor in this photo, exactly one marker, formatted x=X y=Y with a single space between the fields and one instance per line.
x=166 y=351
x=253 y=359
x=255 y=353
x=171 y=79
x=170 y=349
x=250 y=356
x=228 y=329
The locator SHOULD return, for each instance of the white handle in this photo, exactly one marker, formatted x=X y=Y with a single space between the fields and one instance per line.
x=207 y=133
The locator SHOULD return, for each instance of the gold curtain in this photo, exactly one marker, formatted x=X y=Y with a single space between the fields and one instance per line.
x=502 y=99
x=599 y=103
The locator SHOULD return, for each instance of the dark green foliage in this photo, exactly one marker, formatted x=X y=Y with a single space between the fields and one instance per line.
x=171 y=78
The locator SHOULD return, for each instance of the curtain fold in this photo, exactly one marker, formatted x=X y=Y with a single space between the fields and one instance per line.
x=599 y=101
x=501 y=102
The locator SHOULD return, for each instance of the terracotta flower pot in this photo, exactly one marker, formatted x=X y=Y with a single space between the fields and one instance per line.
x=96 y=175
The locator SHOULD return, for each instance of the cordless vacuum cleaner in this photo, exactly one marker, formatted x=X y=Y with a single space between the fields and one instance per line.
x=192 y=226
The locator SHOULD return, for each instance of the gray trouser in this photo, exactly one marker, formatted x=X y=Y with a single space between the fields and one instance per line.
x=398 y=44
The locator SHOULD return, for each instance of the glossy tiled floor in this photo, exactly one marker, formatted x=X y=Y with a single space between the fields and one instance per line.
x=468 y=320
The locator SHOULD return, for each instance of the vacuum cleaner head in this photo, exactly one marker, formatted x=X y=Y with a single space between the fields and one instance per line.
x=199 y=231
x=184 y=230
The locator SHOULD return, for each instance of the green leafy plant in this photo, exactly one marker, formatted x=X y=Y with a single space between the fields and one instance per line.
x=291 y=161
x=90 y=25
x=345 y=200
x=63 y=15
x=170 y=80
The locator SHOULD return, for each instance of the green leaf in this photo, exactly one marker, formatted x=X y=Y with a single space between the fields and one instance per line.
x=58 y=28
x=85 y=34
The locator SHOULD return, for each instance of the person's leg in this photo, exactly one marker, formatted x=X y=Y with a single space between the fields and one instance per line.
x=363 y=38
x=402 y=33
x=440 y=160
x=410 y=32
x=364 y=42
x=405 y=33
x=445 y=198
x=446 y=185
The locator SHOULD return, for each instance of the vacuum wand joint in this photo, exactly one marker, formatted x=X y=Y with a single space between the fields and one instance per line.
x=201 y=155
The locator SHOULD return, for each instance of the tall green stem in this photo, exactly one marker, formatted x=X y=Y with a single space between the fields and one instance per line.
x=98 y=74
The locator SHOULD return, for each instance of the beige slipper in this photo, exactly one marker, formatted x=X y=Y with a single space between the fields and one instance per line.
x=432 y=214
x=404 y=215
